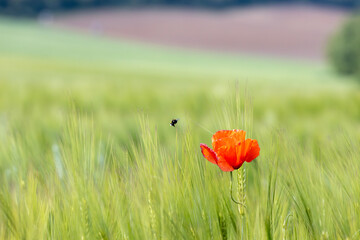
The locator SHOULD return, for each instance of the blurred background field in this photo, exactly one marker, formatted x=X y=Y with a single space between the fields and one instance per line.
x=44 y=70
x=87 y=150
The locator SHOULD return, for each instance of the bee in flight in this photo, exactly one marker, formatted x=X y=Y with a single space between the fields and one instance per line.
x=173 y=122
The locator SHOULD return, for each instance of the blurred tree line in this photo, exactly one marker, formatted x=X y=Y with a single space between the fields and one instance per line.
x=33 y=7
x=344 y=48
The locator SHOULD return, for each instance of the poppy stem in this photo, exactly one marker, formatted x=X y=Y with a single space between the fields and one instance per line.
x=231 y=191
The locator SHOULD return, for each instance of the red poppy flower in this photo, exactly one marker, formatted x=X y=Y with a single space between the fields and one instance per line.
x=231 y=149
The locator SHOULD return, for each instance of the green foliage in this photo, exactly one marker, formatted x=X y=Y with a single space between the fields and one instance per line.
x=86 y=150
x=344 y=48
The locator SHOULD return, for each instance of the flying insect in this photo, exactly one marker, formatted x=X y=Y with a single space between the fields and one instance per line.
x=174 y=122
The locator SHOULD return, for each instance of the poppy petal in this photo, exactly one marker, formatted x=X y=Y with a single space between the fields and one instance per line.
x=241 y=151
x=236 y=134
x=226 y=149
x=221 y=134
x=247 y=151
x=244 y=147
x=224 y=165
x=223 y=144
x=208 y=153
x=253 y=151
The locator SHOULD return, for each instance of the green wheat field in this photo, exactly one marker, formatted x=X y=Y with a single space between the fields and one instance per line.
x=87 y=152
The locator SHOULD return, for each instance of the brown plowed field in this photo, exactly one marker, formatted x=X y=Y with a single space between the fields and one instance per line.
x=288 y=31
